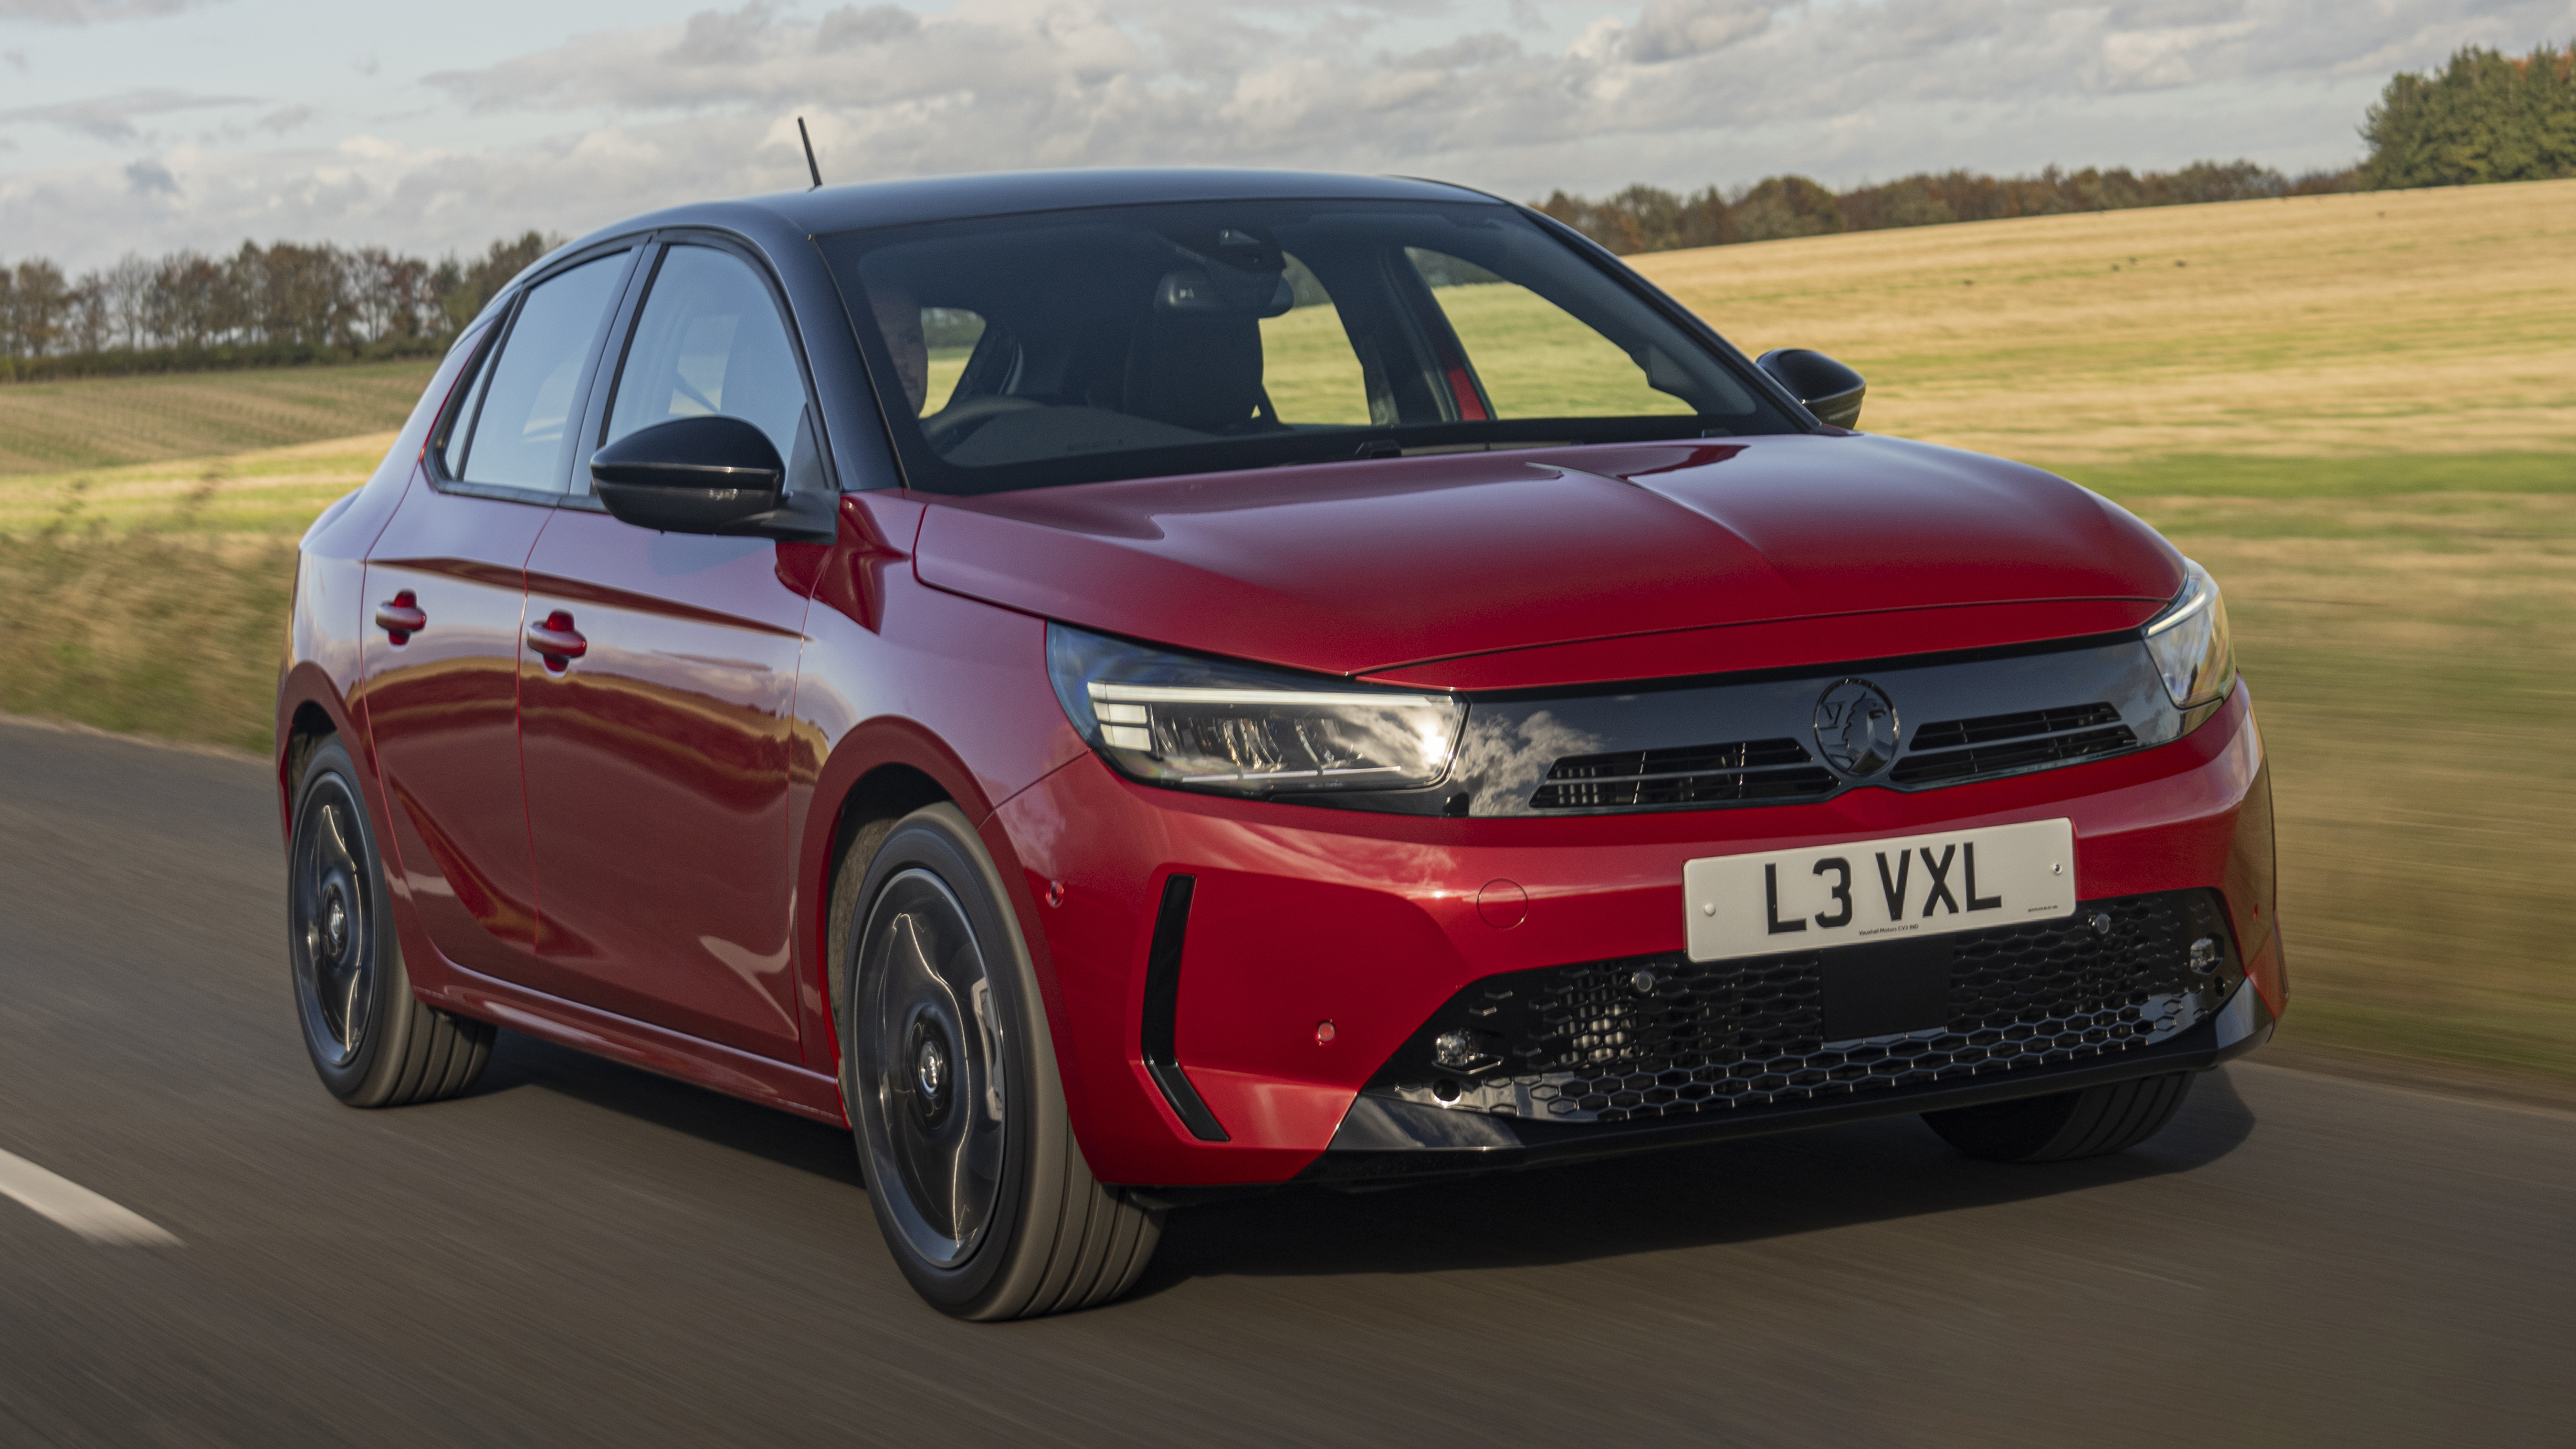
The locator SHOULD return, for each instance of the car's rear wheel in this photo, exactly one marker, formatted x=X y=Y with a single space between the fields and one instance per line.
x=2087 y=1122
x=950 y=1079
x=371 y=1042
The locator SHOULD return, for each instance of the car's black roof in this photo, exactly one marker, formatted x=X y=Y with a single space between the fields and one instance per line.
x=945 y=198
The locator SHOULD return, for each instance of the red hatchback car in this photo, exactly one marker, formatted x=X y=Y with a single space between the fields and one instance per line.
x=1122 y=687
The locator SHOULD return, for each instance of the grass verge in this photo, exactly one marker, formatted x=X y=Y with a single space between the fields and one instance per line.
x=2416 y=682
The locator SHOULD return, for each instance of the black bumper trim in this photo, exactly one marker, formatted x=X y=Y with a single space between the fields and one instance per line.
x=1382 y=1138
x=1162 y=1011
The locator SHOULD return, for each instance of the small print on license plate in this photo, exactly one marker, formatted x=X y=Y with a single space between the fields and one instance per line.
x=1875 y=890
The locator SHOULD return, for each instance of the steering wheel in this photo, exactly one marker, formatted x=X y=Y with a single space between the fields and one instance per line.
x=950 y=423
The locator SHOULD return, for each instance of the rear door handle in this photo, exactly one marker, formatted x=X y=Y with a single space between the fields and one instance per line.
x=557 y=640
x=401 y=617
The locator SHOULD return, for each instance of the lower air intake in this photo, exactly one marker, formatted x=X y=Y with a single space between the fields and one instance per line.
x=1664 y=1036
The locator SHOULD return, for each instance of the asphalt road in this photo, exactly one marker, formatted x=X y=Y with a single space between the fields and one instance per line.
x=579 y=1253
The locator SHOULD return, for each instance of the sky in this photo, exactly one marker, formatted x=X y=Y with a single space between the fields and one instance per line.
x=148 y=125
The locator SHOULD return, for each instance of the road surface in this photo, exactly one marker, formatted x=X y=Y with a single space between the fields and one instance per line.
x=582 y=1254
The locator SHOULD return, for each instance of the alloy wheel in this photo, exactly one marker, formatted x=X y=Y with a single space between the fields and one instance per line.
x=930 y=1069
x=333 y=937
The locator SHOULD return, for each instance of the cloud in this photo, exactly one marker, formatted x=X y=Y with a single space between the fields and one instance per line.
x=82 y=12
x=111 y=118
x=849 y=27
x=1679 y=29
x=1687 y=93
x=144 y=178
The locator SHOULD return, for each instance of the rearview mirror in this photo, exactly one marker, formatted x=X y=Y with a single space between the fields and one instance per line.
x=691 y=475
x=1830 y=390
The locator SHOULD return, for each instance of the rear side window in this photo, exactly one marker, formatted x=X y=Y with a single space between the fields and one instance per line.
x=709 y=342
x=516 y=418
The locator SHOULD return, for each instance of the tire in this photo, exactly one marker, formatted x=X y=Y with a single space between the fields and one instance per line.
x=950 y=1080
x=371 y=1041
x=2087 y=1122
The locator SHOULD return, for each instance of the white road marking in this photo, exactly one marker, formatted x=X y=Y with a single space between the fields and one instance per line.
x=79 y=1209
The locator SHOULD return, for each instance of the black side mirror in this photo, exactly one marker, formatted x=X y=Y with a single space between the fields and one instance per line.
x=691 y=475
x=1830 y=390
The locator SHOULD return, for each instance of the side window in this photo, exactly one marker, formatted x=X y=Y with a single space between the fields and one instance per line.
x=709 y=341
x=523 y=401
x=948 y=338
x=461 y=427
x=1537 y=360
x=1307 y=365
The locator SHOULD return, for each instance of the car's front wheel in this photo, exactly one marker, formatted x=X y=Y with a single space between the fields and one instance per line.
x=2087 y=1122
x=950 y=1079
x=371 y=1041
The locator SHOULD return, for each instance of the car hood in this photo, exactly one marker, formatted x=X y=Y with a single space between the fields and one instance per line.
x=1368 y=567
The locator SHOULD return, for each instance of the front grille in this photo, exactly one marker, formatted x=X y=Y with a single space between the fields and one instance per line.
x=1664 y=1036
x=1686 y=775
x=1994 y=744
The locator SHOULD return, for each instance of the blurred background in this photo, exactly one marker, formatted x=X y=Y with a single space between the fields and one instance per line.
x=2293 y=281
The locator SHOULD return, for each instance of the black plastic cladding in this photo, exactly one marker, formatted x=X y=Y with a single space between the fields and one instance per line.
x=1751 y=740
x=1664 y=1036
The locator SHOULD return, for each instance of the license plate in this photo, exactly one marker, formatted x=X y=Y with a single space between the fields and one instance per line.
x=1776 y=901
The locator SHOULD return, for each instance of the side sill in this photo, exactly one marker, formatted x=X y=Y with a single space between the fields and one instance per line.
x=655 y=1049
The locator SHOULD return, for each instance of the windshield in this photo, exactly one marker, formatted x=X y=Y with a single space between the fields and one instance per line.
x=1124 y=342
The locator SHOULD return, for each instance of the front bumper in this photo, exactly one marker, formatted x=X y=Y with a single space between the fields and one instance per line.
x=1383 y=1138
x=1318 y=943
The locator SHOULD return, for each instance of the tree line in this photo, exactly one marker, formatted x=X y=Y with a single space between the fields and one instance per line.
x=2485 y=116
x=260 y=306
x=1651 y=219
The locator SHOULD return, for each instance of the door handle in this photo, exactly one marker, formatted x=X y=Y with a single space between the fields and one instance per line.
x=400 y=617
x=557 y=640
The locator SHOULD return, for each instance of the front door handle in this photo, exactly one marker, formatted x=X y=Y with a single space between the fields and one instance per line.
x=557 y=641
x=400 y=617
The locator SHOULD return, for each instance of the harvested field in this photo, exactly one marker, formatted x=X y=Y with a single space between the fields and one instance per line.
x=2325 y=326
x=51 y=427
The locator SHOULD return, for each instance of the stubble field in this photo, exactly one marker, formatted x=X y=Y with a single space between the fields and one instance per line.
x=2358 y=411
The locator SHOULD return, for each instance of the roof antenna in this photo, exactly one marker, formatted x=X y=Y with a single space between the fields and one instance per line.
x=811 y=169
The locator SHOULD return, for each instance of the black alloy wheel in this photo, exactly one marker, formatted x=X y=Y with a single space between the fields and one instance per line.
x=334 y=937
x=933 y=1085
x=950 y=1081
x=371 y=1042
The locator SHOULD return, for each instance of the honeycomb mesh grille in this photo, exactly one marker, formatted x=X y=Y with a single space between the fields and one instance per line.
x=1657 y=1036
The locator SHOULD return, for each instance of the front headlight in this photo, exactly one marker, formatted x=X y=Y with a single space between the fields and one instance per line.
x=2190 y=644
x=1176 y=719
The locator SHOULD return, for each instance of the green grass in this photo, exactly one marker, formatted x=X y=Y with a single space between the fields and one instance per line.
x=2377 y=476
x=145 y=633
x=55 y=427
x=269 y=494
x=2414 y=672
